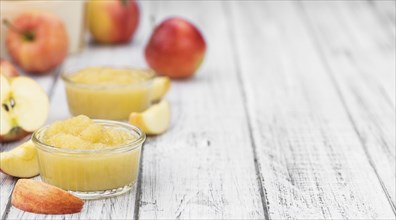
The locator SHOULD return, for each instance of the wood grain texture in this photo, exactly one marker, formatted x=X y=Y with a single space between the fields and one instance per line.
x=7 y=182
x=292 y=115
x=312 y=163
x=361 y=56
x=130 y=55
x=203 y=167
x=386 y=10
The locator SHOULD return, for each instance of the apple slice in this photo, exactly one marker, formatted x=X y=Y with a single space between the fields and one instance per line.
x=4 y=122
x=38 y=197
x=5 y=88
x=161 y=86
x=31 y=103
x=24 y=107
x=154 y=120
x=20 y=161
x=5 y=125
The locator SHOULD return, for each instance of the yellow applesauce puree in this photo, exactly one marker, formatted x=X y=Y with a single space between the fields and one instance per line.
x=108 y=93
x=109 y=76
x=82 y=133
x=93 y=171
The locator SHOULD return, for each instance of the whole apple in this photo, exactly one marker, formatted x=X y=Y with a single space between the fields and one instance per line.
x=37 y=41
x=7 y=69
x=112 y=21
x=176 y=48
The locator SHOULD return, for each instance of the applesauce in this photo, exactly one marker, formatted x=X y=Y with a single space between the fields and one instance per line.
x=90 y=158
x=108 y=93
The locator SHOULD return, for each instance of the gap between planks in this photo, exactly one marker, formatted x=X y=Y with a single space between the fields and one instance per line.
x=323 y=114
x=330 y=72
x=50 y=90
x=242 y=89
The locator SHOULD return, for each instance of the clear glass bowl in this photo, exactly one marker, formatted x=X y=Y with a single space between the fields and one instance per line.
x=91 y=174
x=114 y=102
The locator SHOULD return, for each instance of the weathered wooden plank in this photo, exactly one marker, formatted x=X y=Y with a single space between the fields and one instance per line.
x=202 y=167
x=130 y=55
x=7 y=182
x=361 y=56
x=386 y=10
x=312 y=163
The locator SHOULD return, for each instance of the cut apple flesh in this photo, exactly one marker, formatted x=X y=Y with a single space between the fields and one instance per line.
x=21 y=161
x=5 y=122
x=5 y=88
x=161 y=86
x=31 y=103
x=154 y=120
x=24 y=105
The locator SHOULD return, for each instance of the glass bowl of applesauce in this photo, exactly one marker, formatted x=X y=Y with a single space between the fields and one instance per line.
x=107 y=92
x=92 y=159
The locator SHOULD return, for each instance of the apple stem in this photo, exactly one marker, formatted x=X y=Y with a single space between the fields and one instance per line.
x=124 y=2
x=27 y=35
x=8 y=24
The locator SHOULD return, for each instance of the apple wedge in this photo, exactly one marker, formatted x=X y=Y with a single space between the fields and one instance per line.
x=153 y=121
x=39 y=197
x=20 y=161
x=24 y=107
x=161 y=86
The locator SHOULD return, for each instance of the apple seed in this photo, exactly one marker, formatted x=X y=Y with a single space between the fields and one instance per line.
x=5 y=106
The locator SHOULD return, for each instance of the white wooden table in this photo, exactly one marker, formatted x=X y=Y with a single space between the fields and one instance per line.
x=292 y=115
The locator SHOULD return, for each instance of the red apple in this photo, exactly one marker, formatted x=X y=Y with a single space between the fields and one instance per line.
x=7 y=69
x=112 y=21
x=176 y=48
x=37 y=41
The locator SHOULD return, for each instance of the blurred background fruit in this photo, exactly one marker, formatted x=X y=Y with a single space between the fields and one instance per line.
x=155 y=120
x=176 y=48
x=36 y=41
x=71 y=13
x=112 y=21
x=7 y=69
x=161 y=85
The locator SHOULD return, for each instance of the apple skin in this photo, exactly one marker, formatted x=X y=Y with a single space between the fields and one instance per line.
x=45 y=50
x=176 y=48
x=7 y=69
x=42 y=198
x=15 y=134
x=112 y=21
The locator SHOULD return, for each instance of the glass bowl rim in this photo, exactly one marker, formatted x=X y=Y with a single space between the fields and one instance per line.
x=119 y=149
x=65 y=76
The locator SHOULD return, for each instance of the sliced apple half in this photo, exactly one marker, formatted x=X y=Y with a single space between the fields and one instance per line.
x=24 y=107
x=5 y=88
x=153 y=121
x=20 y=161
x=161 y=86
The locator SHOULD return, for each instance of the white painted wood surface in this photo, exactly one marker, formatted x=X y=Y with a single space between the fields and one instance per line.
x=292 y=115
x=310 y=156
x=364 y=73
